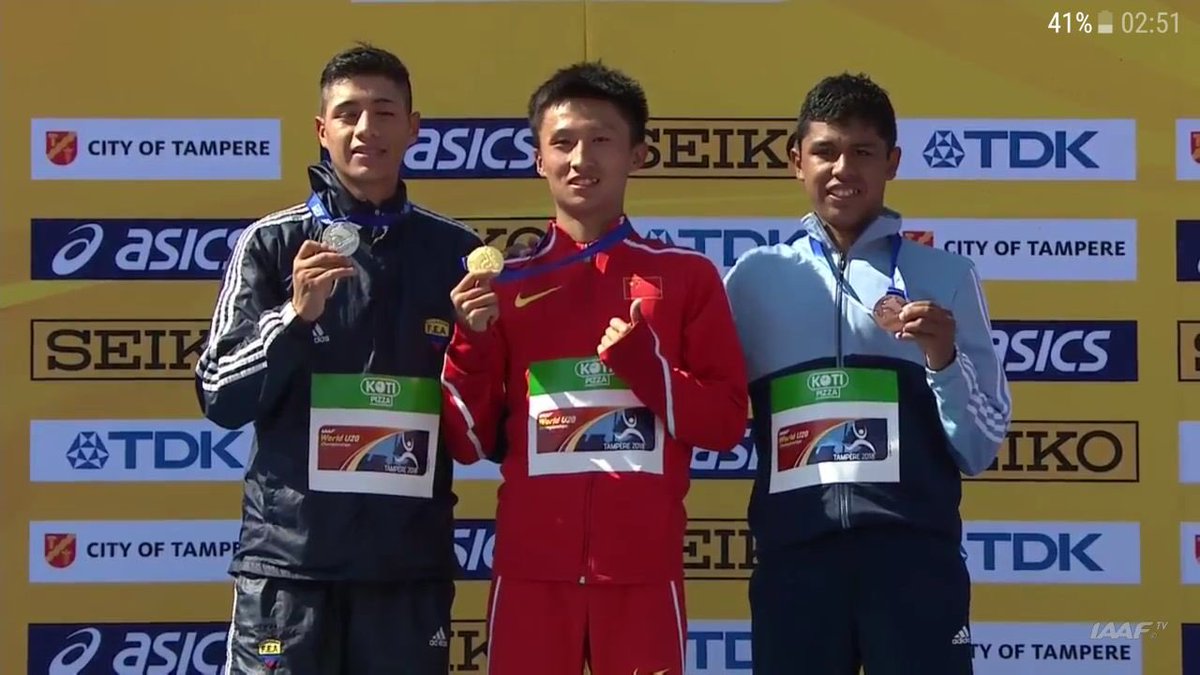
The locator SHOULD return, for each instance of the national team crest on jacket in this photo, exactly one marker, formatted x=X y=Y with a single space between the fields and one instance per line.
x=638 y=287
x=438 y=332
x=269 y=652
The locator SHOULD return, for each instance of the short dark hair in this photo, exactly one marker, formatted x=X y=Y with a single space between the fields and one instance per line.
x=365 y=59
x=593 y=80
x=839 y=99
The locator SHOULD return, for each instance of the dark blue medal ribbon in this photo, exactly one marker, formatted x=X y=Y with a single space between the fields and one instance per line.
x=375 y=223
x=897 y=288
x=609 y=240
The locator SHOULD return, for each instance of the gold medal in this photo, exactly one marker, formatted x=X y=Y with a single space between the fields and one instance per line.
x=485 y=260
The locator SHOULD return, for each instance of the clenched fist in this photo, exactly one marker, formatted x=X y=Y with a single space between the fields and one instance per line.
x=315 y=270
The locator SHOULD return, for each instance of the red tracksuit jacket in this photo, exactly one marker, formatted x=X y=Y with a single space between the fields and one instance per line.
x=600 y=495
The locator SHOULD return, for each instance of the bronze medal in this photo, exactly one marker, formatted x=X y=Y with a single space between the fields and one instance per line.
x=887 y=312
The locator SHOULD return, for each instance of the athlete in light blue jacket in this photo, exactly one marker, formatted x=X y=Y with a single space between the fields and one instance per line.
x=874 y=385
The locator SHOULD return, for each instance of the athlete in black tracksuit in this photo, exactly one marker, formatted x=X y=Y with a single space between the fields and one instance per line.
x=334 y=582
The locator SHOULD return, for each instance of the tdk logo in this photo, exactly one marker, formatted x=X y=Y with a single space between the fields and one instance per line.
x=722 y=240
x=474 y=546
x=96 y=450
x=472 y=148
x=161 y=450
x=660 y=234
x=1034 y=551
x=1044 y=552
x=87 y=451
x=943 y=150
x=131 y=249
x=1025 y=149
x=965 y=149
x=1065 y=351
x=719 y=647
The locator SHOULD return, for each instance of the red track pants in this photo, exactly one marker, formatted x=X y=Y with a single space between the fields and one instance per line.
x=553 y=628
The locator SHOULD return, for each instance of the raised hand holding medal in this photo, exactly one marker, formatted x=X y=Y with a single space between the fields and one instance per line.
x=932 y=327
x=342 y=238
x=315 y=270
x=475 y=303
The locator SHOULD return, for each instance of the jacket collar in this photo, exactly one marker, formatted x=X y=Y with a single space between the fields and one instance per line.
x=560 y=240
x=341 y=204
x=886 y=224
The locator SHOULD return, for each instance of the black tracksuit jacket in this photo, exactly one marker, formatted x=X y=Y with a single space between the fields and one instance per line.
x=391 y=319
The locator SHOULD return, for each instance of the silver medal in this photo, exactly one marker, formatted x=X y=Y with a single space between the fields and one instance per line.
x=342 y=237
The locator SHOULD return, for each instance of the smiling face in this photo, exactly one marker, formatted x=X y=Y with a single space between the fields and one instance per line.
x=845 y=168
x=586 y=153
x=367 y=127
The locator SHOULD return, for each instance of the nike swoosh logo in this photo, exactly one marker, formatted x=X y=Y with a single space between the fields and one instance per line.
x=523 y=300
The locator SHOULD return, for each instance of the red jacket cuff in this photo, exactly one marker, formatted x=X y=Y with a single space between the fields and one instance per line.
x=472 y=352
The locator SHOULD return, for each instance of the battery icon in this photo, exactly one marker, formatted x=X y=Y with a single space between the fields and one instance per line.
x=1104 y=22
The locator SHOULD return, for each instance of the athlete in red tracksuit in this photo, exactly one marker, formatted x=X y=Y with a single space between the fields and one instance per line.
x=602 y=365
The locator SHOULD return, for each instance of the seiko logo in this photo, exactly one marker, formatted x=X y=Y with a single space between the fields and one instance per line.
x=717 y=148
x=1064 y=450
x=717 y=549
x=116 y=349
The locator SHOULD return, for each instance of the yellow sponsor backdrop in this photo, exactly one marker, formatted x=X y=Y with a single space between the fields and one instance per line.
x=939 y=58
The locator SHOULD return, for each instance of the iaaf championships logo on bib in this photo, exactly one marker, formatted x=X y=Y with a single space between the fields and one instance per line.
x=828 y=383
x=594 y=373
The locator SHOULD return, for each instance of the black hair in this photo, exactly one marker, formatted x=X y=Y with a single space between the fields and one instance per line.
x=365 y=59
x=839 y=99
x=593 y=80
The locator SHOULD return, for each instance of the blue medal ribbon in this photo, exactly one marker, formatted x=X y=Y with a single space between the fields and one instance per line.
x=375 y=223
x=897 y=287
x=612 y=238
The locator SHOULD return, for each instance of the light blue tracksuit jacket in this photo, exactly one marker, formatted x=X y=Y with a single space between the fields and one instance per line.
x=800 y=307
